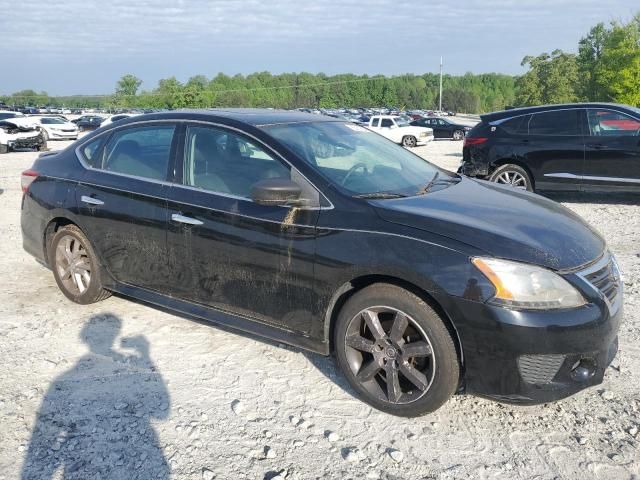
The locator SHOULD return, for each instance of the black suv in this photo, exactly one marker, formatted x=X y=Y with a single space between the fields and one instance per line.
x=583 y=146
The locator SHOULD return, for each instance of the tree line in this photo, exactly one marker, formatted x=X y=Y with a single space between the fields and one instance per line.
x=606 y=67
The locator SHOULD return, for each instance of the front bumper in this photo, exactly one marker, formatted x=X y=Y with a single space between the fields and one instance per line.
x=60 y=135
x=28 y=142
x=424 y=140
x=532 y=357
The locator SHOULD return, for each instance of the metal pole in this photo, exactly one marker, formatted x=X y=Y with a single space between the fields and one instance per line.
x=440 y=108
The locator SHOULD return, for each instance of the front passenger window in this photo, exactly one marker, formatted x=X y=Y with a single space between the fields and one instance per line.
x=223 y=162
x=610 y=123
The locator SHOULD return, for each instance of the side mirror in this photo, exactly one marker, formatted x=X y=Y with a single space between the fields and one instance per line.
x=276 y=191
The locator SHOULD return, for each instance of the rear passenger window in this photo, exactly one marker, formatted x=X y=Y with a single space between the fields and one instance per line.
x=517 y=125
x=91 y=153
x=556 y=122
x=223 y=162
x=142 y=152
x=387 y=122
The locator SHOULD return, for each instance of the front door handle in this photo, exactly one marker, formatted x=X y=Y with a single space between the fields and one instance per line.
x=91 y=200
x=176 y=217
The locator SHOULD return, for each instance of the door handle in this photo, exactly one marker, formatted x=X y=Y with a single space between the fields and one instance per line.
x=91 y=200
x=176 y=217
x=598 y=146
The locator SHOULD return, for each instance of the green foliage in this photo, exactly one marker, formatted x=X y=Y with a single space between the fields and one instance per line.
x=550 y=79
x=606 y=68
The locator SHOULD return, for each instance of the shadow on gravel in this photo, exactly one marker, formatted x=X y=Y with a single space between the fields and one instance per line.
x=598 y=198
x=330 y=369
x=95 y=419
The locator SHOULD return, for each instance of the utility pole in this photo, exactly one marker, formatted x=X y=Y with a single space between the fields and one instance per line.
x=440 y=108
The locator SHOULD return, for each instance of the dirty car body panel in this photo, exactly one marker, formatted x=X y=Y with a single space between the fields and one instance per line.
x=185 y=238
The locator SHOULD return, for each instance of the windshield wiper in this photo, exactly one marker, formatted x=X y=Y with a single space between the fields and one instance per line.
x=428 y=186
x=380 y=195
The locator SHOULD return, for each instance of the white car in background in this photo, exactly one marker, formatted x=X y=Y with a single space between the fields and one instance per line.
x=398 y=130
x=117 y=117
x=56 y=128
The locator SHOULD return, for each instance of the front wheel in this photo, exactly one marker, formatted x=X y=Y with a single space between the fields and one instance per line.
x=395 y=351
x=4 y=148
x=458 y=135
x=513 y=175
x=45 y=135
x=409 y=141
x=75 y=266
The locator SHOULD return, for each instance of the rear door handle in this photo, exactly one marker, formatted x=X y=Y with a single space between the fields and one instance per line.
x=91 y=200
x=176 y=217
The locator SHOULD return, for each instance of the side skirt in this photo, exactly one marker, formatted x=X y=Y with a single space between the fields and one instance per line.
x=225 y=319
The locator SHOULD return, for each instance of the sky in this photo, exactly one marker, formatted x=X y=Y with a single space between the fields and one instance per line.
x=68 y=47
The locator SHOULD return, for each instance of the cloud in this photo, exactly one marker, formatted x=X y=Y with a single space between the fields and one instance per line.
x=372 y=36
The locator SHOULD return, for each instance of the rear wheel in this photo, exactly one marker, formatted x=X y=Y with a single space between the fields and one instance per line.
x=409 y=141
x=458 y=135
x=75 y=266
x=395 y=351
x=513 y=175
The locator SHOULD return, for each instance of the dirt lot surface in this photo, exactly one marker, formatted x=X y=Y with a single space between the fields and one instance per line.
x=123 y=390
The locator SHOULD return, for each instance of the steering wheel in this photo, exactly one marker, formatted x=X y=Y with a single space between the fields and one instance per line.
x=352 y=170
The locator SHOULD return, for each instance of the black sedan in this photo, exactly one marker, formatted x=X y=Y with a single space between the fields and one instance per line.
x=88 y=122
x=443 y=127
x=575 y=146
x=319 y=233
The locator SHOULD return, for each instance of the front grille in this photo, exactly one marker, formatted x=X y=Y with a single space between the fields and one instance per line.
x=605 y=277
x=539 y=369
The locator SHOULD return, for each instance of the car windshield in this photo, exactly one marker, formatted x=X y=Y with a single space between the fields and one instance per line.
x=52 y=121
x=357 y=159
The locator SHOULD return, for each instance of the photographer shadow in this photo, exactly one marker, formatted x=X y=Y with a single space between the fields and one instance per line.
x=95 y=419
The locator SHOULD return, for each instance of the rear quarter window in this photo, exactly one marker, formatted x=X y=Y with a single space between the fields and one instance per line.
x=517 y=125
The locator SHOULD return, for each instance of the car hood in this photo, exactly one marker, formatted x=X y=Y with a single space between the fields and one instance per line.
x=20 y=123
x=502 y=221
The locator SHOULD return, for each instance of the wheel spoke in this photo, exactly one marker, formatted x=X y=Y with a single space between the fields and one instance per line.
x=369 y=371
x=416 y=349
x=360 y=343
x=65 y=273
x=414 y=376
x=400 y=323
x=373 y=322
x=393 y=385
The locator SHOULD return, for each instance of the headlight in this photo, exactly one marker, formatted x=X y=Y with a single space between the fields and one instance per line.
x=423 y=134
x=520 y=285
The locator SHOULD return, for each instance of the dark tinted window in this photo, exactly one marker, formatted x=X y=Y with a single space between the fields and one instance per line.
x=556 y=122
x=142 y=151
x=610 y=123
x=517 y=125
x=375 y=122
x=223 y=162
x=387 y=122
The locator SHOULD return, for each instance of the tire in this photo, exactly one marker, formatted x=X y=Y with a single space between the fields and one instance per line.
x=85 y=285
x=409 y=141
x=43 y=146
x=458 y=135
x=368 y=355
x=513 y=175
x=45 y=135
x=4 y=149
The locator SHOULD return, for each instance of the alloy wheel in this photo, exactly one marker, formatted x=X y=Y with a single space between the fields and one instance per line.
x=390 y=355
x=457 y=135
x=512 y=178
x=409 y=141
x=73 y=265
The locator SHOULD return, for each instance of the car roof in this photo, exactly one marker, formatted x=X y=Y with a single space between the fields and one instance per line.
x=253 y=116
x=514 y=112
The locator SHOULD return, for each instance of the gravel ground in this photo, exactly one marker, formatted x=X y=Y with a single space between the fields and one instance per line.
x=122 y=390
